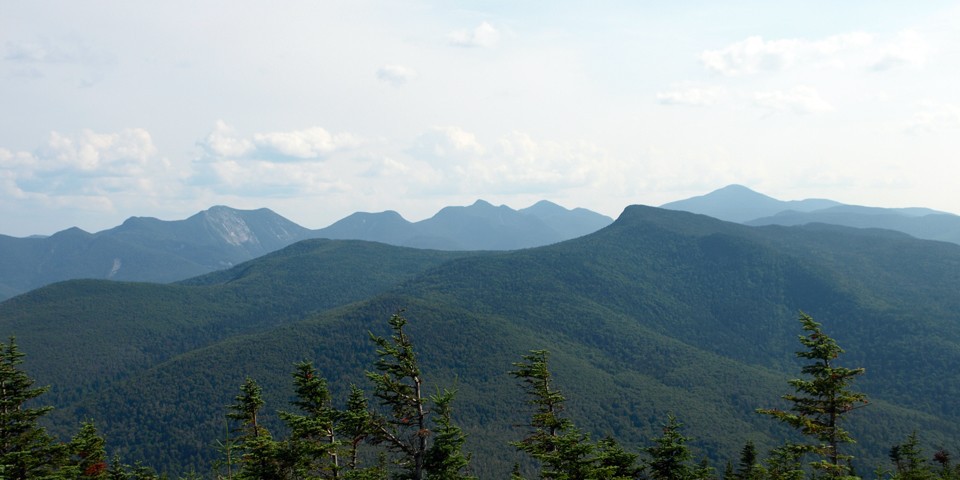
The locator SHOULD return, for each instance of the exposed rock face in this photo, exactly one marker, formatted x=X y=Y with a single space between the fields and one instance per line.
x=230 y=226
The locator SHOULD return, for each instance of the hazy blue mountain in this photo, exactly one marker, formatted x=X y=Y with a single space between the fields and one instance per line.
x=736 y=203
x=145 y=249
x=568 y=223
x=385 y=227
x=218 y=237
x=480 y=226
x=919 y=222
x=660 y=312
x=152 y=250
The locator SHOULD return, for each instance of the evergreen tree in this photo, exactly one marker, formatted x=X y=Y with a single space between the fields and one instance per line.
x=822 y=401
x=120 y=471
x=355 y=423
x=783 y=463
x=562 y=450
x=312 y=449
x=225 y=448
x=670 y=457
x=260 y=453
x=908 y=461
x=615 y=463
x=26 y=450
x=143 y=472
x=445 y=459
x=117 y=470
x=947 y=470
x=398 y=383
x=89 y=455
x=749 y=468
x=399 y=386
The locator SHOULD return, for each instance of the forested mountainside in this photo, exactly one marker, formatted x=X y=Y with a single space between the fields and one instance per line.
x=151 y=250
x=661 y=312
x=145 y=249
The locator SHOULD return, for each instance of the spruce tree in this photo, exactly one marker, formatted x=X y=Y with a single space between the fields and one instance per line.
x=749 y=467
x=783 y=463
x=562 y=450
x=118 y=471
x=26 y=450
x=670 y=456
x=445 y=459
x=908 y=461
x=89 y=454
x=260 y=453
x=947 y=470
x=355 y=424
x=312 y=449
x=615 y=463
x=822 y=401
x=398 y=384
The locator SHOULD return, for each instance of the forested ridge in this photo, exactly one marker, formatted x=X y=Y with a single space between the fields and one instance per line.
x=409 y=433
x=660 y=313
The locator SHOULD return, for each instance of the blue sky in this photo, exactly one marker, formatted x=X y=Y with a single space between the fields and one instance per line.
x=318 y=109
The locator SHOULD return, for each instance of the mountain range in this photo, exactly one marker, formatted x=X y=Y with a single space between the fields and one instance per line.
x=660 y=312
x=736 y=203
x=153 y=250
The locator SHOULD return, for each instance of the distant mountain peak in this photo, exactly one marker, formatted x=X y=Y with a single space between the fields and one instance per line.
x=735 y=187
x=738 y=192
x=71 y=232
x=480 y=203
x=544 y=207
x=219 y=208
x=737 y=203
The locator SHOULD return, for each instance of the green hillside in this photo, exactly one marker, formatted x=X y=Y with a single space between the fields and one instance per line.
x=660 y=312
x=84 y=334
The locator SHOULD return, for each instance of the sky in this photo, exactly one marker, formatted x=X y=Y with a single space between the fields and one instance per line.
x=318 y=109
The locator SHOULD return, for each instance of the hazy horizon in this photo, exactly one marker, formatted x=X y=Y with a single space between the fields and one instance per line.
x=317 y=110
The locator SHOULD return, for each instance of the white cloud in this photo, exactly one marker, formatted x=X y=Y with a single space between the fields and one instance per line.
x=754 y=54
x=396 y=75
x=908 y=48
x=387 y=167
x=85 y=170
x=28 y=52
x=224 y=142
x=125 y=152
x=309 y=143
x=261 y=178
x=800 y=99
x=749 y=56
x=15 y=166
x=447 y=147
x=68 y=57
x=10 y=160
x=514 y=163
x=519 y=160
x=933 y=117
x=483 y=35
x=692 y=96
x=272 y=164
x=313 y=142
x=62 y=50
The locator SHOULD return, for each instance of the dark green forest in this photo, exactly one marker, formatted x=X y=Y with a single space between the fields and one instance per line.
x=408 y=433
x=661 y=315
